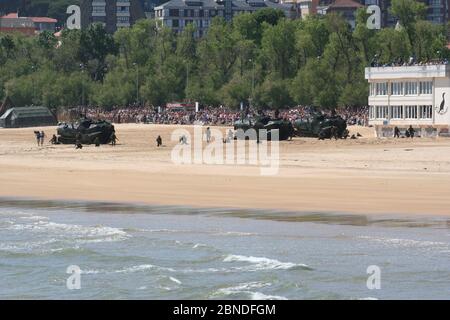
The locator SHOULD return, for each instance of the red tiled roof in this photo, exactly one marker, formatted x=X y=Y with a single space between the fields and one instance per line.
x=43 y=20
x=13 y=15
x=346 y=4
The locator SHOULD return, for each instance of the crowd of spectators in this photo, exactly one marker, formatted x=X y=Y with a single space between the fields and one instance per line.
x=215 y=116
x=410 y=62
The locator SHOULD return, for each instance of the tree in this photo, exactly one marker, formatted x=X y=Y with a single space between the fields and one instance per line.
x=408 y=13
x=95 y=45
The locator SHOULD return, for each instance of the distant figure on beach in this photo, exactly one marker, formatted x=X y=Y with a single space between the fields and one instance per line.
x=114 y=139
x=41 y=138
x=38 y=137
x=54 y=139
x=396 y=132
x=230 y=135
x=412 y=132
x=183 y=139
x=208 y=135
x=159 y=141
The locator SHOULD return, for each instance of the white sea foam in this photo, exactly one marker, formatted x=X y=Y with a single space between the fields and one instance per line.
x=407 y=242
x=236 y=233
x=262 y=263
x=175 y=280
x=34 y=218
x=262 y=296
x=246 y=288
x=82 y=234
x=132 y=269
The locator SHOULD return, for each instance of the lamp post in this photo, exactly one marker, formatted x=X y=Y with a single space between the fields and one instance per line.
x=82 y=66
x=253 y=79
x=137 y=82
x=187 y=76
x=33 y=98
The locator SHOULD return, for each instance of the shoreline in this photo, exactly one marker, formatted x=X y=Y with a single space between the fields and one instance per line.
x=362 y=177
x=331 y=218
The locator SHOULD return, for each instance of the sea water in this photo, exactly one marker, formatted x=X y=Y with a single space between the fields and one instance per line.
x=139 y=252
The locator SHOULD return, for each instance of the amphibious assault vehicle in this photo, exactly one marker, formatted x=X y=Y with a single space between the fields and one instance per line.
x=322 y=126
x=260 y=123
x=86 y=131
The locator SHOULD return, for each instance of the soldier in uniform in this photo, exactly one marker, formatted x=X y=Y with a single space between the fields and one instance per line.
x=159 y=141
x=113 y=139
x=411 y=132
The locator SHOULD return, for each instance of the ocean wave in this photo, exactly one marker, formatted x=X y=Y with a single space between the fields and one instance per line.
x=175 y=280
x=198 y=245
x=236 y=233
x=34 y=218
x=132 y=269
x=247 y=289
x=394 y=242
x=79 y=232
x=263 y=263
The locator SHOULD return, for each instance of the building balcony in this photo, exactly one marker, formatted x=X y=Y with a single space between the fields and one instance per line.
x=123 y=3
x=407 y=72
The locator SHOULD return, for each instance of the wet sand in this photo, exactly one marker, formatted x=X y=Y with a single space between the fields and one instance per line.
x=364 y=176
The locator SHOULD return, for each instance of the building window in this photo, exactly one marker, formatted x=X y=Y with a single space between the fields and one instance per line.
x=372 y=112
x=397 y=88
x=397 y=112
x=175 y=23
x=372 y=90
x=381 y=89
x=98 y=10
x=411 y=112
x=426 y=87
x=174 y=12
x=123 y=19
x=123 y=9
x=410 y=88
x=382 y=112
x=426 y=112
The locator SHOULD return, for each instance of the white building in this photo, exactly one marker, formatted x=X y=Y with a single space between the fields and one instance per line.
x=416 y=95
x=177 y=14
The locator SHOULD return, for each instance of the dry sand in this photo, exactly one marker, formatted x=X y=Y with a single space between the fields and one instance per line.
x=364 y=176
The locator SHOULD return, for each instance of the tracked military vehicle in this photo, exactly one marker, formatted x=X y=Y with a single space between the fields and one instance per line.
x=285 y=128
x=86 y=131
x=322 y=127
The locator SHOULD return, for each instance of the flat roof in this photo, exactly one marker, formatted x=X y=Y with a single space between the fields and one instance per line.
x=402 y=72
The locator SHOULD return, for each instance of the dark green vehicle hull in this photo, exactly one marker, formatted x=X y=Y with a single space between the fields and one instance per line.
x=87 y=131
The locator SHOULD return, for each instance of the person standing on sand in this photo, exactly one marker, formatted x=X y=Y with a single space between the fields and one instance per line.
x=38 y=137
x=42 y=137
x=159 y=141
x=411 y=132
x=208 y=135
x=113 y=139
x=396 y=132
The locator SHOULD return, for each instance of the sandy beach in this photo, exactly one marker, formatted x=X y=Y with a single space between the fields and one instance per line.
x=364 y=176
